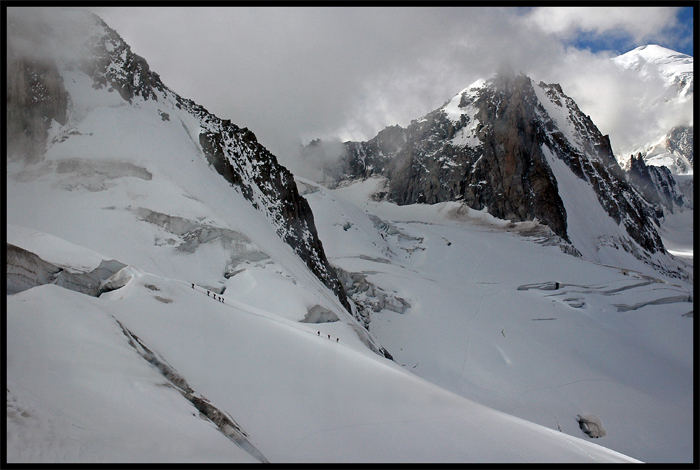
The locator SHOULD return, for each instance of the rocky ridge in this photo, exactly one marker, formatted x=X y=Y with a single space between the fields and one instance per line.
x=489 y=147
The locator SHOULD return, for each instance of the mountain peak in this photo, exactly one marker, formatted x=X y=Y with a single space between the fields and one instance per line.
x=520 y=150
x=671 y=73
x=669 y=62
x=655 y=50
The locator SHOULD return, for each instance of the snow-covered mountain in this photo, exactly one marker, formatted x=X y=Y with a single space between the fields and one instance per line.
x=653 y=60
x=170 y=300
x=673 y=71
x=50 y=111
x=521 y=151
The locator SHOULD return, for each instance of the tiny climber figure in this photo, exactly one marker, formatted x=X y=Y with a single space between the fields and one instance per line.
x=193 y=285
x=556 y=286
x=336 y=340
x=207 y=293
x=318 y=333
x=329 y=336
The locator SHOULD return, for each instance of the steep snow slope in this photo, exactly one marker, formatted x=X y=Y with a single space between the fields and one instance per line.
x=73 y=86
x=80 y=388
x=134 y=171
x=77 y=392
x=182 y=220
x=485 y=320
x=672 y=147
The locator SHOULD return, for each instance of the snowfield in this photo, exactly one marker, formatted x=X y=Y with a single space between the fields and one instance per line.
x=486 y=322
x=78 y=392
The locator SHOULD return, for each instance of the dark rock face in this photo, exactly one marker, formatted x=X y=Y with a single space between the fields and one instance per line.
x=271 y=188
x=506 y=172
x=485 y=147
x=520 y=184
x=593 y=161
x=656 y=183
x=113 y=64
x=234 y=152
x=374 y=154
x=35 y=97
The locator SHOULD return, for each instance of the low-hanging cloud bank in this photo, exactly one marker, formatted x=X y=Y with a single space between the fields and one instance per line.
x=294 y=74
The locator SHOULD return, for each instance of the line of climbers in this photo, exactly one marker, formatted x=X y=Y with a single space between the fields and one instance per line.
x=221 y=299
x=217 y=297
x=318 y=333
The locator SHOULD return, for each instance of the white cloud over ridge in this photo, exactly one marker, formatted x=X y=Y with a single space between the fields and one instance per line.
x=294 y=74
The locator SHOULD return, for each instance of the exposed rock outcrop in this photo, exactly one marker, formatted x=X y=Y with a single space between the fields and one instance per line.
x=591 y=426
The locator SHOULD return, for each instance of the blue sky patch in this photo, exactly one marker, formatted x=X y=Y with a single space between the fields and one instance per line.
x=679 y=38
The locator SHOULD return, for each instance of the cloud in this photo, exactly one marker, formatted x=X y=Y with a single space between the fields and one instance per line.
x=292 y=74
x=59 y=34
x=630 y=108
x=621 y=103
x=319 y=160
x=641 y=23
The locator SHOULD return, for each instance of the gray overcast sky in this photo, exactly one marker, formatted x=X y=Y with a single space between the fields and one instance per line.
x=292 y=74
